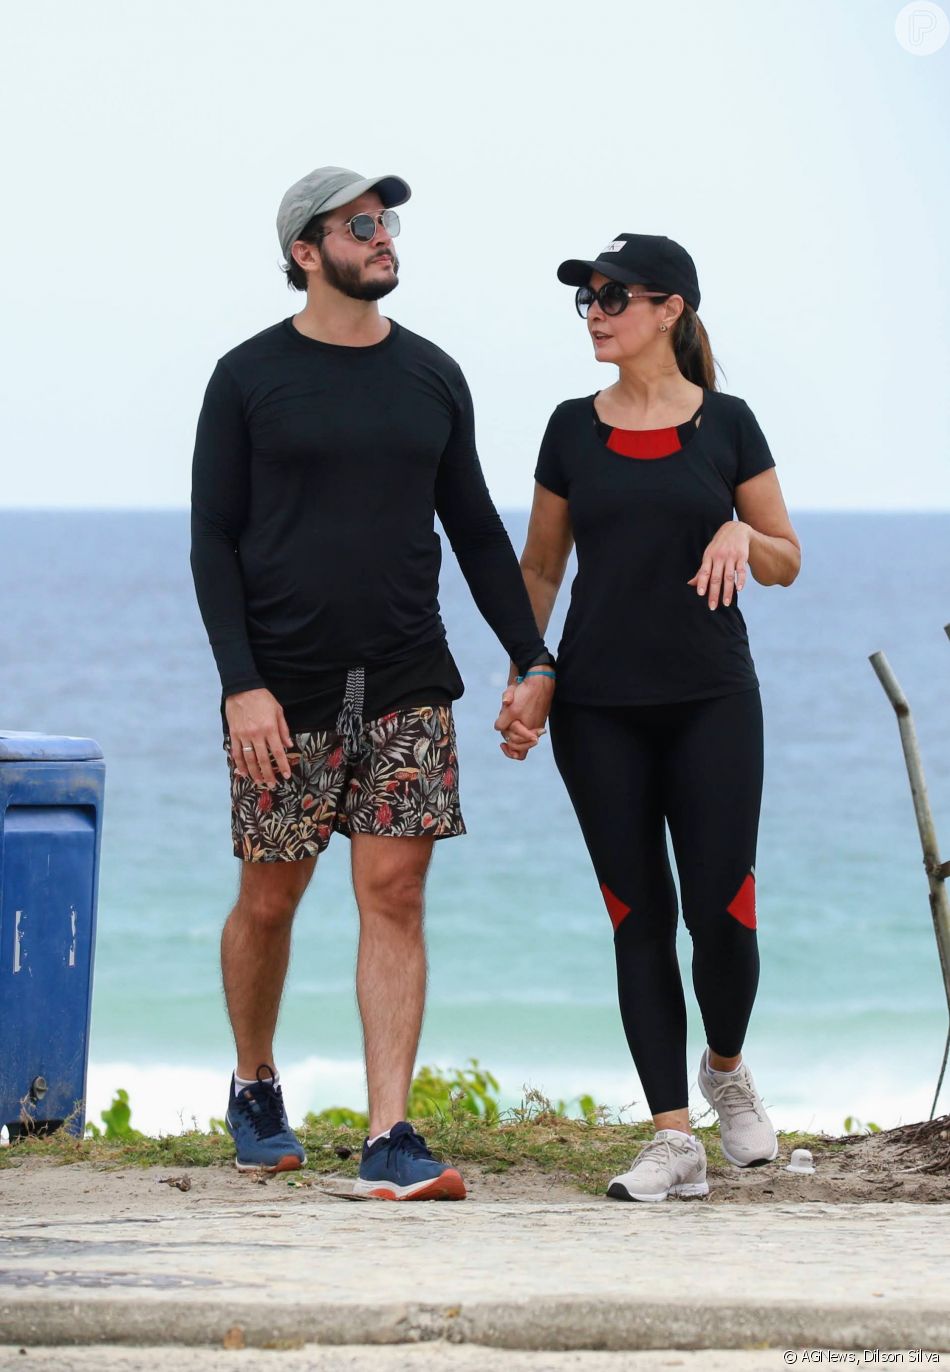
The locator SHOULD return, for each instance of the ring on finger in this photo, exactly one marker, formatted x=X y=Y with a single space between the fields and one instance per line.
x=247 y=748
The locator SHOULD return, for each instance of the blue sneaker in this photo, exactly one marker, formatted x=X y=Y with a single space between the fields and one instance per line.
x=257 y=1122
x=402 y=1168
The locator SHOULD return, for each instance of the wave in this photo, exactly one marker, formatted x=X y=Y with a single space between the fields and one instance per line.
x=169 y=1097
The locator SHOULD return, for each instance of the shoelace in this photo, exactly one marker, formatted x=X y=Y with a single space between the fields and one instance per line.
x=265 y=1112
x=664 y=1146
x=738 y=1095
x=412 y=1143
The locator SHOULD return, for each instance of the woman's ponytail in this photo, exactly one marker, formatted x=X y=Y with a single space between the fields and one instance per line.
x=693 y=351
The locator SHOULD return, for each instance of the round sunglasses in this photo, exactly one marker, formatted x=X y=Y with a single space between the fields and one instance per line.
x=363 y=226
x=612 y=298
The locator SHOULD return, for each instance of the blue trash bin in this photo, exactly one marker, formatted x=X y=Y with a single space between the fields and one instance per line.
x=51 y=792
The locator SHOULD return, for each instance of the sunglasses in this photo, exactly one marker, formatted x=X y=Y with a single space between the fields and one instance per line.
x=363 y=226
x=612 y=298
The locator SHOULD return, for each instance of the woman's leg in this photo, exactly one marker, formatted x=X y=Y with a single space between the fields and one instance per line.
x=609 y=762
x=712 y=789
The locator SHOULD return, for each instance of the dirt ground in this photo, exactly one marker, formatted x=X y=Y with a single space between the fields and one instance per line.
x=890 y=1166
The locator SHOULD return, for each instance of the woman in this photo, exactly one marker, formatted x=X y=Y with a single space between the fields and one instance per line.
x=656 y=716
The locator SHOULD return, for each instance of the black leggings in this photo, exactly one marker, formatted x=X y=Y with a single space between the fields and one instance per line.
x=698 y=766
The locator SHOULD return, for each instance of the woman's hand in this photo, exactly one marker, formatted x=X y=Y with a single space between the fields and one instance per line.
x=524 y=711
x=725 y=563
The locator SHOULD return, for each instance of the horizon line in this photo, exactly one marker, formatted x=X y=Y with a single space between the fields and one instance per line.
x=502 y=509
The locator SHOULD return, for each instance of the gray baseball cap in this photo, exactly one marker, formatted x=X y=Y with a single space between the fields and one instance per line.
x=328 y=188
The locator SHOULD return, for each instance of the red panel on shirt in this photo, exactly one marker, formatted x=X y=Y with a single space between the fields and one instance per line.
x=645 y=444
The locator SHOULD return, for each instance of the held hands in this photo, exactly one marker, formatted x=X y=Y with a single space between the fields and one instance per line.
x=725 y=564
x=258 y=733
x=524 y=711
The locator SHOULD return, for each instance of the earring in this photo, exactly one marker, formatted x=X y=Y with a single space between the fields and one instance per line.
x=662 y=328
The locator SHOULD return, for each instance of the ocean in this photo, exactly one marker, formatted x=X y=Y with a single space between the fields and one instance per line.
x=100 y=637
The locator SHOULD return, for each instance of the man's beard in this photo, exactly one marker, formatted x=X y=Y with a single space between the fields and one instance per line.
x=348 y=279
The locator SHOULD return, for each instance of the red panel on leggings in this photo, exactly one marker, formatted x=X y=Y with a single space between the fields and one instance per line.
x=742 y=907
x=616 y=909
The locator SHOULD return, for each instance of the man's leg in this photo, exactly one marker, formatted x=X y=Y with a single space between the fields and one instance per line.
x=255 y=950
x=389 y=879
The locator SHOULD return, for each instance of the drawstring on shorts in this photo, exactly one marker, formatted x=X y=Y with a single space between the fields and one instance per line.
x=349 y=724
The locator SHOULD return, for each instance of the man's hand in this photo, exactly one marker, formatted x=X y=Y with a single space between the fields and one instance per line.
x=524 y=712
x=258 y=733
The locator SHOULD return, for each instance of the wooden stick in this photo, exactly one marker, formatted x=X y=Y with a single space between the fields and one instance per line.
x=936 y=870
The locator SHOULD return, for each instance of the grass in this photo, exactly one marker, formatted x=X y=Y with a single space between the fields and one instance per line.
x=535 y=1138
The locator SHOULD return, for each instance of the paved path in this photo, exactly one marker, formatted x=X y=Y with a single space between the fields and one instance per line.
x=583 y=1275
x=420 y=1357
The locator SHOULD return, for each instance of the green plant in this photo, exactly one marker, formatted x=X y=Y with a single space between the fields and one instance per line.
x=590 y=1110
x=340 y=1117
x=535 y=1107
x=433 y=1094
x=470 y=1090
x=852 y=1125
x=117 y=1119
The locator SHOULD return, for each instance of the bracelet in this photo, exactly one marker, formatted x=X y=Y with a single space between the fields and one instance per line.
x=536 y=671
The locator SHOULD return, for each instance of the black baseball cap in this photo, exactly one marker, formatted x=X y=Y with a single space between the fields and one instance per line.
x=639 y=259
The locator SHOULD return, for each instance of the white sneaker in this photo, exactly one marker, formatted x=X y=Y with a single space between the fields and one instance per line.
x=748 y=1139
x=671 y=1164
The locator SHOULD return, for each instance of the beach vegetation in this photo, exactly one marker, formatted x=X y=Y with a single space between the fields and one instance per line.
x=852 y=1125
x=458 y=1110
x=433 y=1093
x=117 y=1120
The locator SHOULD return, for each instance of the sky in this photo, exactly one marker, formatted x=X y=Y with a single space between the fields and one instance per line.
x=796 y=149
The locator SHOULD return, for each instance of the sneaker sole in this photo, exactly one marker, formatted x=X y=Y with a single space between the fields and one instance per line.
x=289 y=1163
x=448 y=1187
x=752 y=1162
x=685 y=1191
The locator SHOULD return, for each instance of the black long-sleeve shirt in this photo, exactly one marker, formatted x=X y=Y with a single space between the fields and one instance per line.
x=318 y=470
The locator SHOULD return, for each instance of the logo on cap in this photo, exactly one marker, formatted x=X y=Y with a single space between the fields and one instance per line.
x=616 y=246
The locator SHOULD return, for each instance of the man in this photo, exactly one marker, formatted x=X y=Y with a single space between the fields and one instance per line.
x=325 y=446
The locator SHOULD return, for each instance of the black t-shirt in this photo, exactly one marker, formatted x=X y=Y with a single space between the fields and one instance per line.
x=636 y=633
x=318 y=471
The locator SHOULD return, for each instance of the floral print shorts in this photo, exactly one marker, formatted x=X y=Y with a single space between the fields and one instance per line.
x=407 y=787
